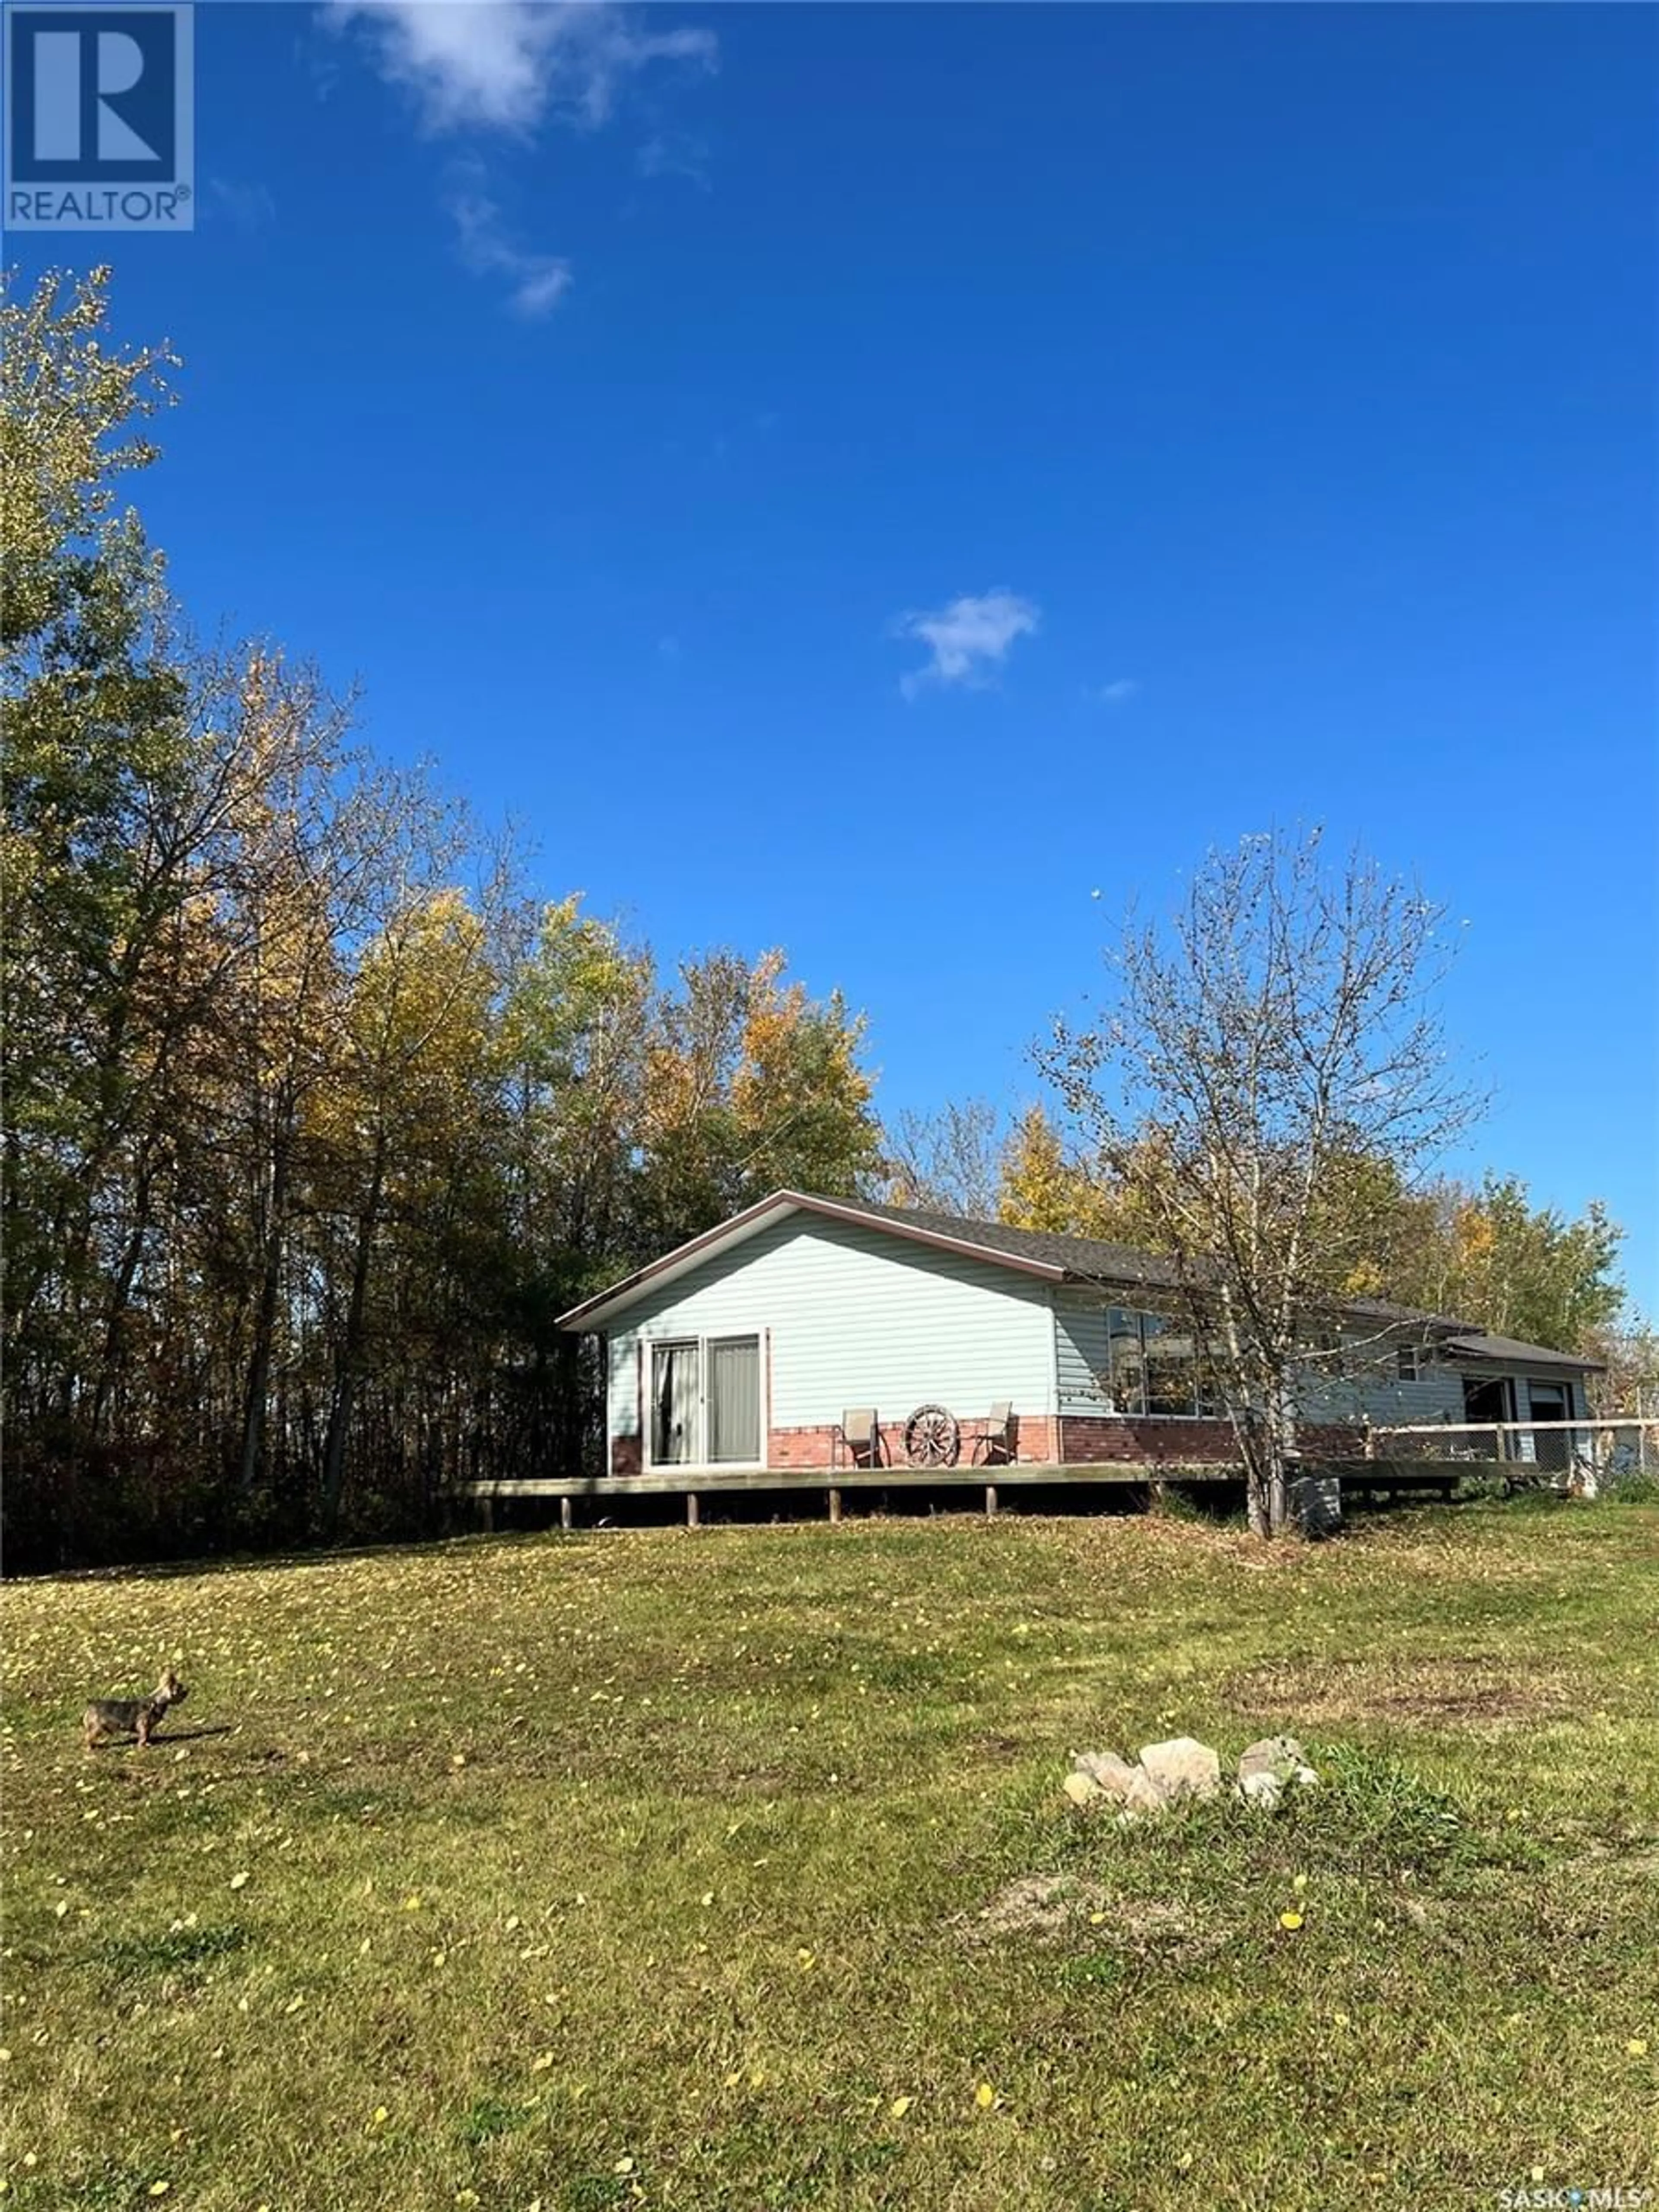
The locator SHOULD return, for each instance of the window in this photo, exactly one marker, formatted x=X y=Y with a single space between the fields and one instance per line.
x=1408 y=1363
x=706 y=1402
x=1128 y=1368
x=1151 y=1367
x=1171 y=1378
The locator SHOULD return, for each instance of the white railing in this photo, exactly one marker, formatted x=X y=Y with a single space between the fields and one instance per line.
x=1587 y=1457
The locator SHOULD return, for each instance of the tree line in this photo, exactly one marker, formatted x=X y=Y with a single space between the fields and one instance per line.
x=316 y=1114
x=316 y=1118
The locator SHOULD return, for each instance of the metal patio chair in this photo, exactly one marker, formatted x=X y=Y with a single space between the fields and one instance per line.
x=993 y=1437
x=857 y=1440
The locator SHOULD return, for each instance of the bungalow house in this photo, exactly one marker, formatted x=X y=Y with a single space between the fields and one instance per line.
x=747 y=1349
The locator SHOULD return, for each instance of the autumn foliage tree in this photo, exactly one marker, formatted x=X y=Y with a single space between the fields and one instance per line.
x=1278 y=1036
x=315 y=1118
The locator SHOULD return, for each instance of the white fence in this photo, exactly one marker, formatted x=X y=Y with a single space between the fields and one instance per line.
x=1588 y=1458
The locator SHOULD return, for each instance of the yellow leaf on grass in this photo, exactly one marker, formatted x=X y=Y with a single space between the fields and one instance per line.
x=623 y=2165
x=900 y=2106
x=1638 y=2046
x=239 y=1882
x=985 y=2096
x=1291 y=1920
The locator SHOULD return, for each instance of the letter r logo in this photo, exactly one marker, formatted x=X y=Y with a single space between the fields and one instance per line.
x=93 y=95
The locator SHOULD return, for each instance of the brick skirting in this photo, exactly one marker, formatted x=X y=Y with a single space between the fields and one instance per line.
x=1040 y=1440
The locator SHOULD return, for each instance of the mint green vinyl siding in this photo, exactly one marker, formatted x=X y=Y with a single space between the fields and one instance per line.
x=852 y=1317
x=1080 y=1350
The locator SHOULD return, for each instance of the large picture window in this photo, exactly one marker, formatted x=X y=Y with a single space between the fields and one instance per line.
x=1152 y=1368
x=706 y=1402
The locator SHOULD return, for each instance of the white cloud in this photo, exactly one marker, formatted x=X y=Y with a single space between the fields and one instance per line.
x=536 y=282
x=1115 y=694
x=507 y=64
x=969 y=639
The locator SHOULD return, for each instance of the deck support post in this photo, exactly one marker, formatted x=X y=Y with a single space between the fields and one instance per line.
x=564 y=1513
x=834 y=1508
x=692 y=1514
x=489 y=1505
x=990 y=1500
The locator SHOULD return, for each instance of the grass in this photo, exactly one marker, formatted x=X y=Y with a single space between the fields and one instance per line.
x=729 y=1869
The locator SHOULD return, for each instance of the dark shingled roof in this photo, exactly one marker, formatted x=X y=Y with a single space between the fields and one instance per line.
x=1092 y=1259
x=1089 y=1258
x=1508 y=1352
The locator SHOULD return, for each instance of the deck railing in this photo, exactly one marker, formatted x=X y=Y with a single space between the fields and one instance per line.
x=1588 y=1457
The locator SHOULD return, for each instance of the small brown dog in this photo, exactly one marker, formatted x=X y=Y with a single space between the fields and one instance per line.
x=139 y=1717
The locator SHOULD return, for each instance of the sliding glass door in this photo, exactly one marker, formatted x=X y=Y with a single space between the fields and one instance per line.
x=706 y=1402
x=676 y=1400
x=734 y=1401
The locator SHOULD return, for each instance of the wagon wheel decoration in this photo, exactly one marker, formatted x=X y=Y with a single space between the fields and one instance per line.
x=931 y=1437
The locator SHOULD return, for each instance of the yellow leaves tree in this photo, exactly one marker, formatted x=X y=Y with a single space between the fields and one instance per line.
x=400 y=1129
x=751 y=1084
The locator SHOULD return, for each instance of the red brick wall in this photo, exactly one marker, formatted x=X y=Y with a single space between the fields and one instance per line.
x=1330 y=1440
x=1034 y=1445
x=1088 y=1439
x=1094 y=1439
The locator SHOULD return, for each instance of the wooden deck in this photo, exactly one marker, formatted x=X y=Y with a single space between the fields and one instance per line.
x=694 y=1484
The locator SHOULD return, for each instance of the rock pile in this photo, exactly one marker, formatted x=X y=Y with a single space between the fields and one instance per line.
x=1185 y=1771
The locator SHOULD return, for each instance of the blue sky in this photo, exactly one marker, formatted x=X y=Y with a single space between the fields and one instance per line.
x=866 y=479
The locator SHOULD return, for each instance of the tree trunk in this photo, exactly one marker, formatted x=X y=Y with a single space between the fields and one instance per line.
x=346 y=1371
x=256 y=1399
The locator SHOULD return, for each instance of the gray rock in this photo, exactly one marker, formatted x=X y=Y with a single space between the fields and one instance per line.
x=1111 y=1773
x=1142 y=1796
x=1082 y=1789
x=1261 y=1788
x=1305 y=1778
x=1182 y=1768
x=1278 y=1755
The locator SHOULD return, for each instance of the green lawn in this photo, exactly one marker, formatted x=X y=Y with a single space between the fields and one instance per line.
x=651 y=1868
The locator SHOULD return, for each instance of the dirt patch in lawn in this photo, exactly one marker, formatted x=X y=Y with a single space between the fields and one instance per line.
x=1040 y=1908
x=1434 y=1689
x=1046 y=1908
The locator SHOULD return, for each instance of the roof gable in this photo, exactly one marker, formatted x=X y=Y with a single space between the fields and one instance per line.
x=940 y=1231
